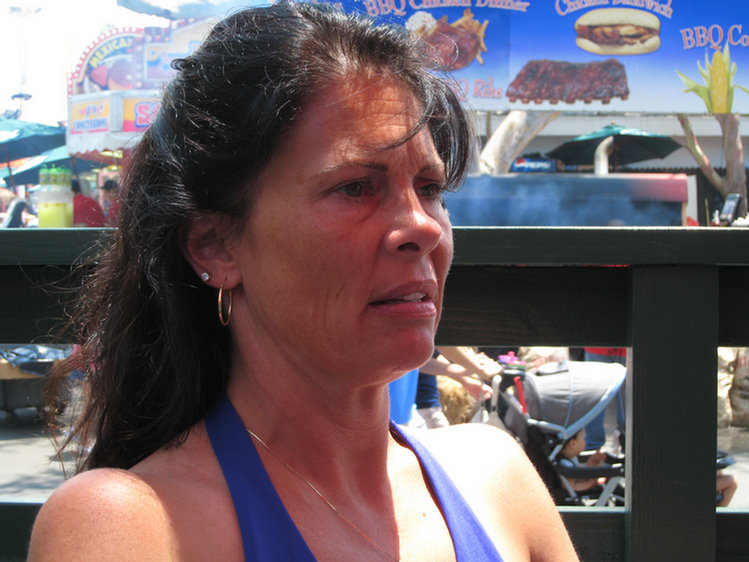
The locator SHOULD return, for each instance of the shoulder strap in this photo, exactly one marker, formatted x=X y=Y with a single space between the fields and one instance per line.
x=470 y=540
x=268 y=532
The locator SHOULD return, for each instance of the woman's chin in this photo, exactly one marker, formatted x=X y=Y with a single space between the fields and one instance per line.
x=412 y=354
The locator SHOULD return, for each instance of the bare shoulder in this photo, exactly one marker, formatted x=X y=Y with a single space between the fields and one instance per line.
x=103 y=514
x=173 y=506
x=473 y=444
x=495 y=476
x=488 y=465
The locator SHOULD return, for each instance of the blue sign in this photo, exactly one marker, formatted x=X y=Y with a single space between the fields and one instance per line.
x=581 y=55
x=534 y=165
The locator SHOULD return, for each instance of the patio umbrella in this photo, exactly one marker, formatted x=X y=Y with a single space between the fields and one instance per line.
x=19 y=139
x=29 y=172
x=630 y=145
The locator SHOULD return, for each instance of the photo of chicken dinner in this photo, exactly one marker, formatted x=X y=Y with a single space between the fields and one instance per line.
x=456 y=44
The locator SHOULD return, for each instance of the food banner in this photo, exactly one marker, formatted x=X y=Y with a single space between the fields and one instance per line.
x=134 y=58
x=570 y=55
x=109 y=120
x=89 y=116
x=138 y=112
x=113 y=94
x=582 y=55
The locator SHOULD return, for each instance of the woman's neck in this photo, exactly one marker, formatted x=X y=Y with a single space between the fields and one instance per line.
x=327 y=426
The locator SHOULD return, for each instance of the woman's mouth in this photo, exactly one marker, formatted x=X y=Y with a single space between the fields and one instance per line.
x=413 y=297
x=411 y=305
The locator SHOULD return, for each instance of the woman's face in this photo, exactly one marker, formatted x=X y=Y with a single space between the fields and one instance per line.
x=344 y=256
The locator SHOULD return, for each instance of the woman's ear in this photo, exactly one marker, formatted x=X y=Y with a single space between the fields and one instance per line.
x=206 y=242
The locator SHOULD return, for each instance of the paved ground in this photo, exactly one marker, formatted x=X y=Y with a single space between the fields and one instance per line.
x=26 y=466
x=28 y=470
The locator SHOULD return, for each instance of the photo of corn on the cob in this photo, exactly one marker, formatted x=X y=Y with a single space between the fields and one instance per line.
x=718 y=88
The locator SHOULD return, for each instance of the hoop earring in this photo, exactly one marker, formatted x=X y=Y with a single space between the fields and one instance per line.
x=224 y=315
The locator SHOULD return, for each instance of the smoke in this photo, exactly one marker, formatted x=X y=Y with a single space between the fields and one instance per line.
x=559 y=200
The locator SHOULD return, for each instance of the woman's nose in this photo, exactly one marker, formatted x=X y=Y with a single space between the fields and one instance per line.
x=413 y=228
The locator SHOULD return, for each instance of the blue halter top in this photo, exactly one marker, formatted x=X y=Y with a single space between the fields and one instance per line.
x=268 y=532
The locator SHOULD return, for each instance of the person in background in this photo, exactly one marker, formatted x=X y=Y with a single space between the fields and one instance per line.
x=281 y=256
x=110 y=200
x=6 y=197
x=595 y=430
x=572 y=448
x=474 y=362
x=428 y=407
x=402 y=392
x=725 y=486
x=415 y=398
x=465 y=366
x=86 y=210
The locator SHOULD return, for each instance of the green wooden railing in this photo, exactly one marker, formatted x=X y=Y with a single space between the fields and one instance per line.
x=676 y=296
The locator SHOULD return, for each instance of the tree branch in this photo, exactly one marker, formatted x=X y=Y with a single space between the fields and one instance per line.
x=733 y=151
x=514 y=133
x=696 y=150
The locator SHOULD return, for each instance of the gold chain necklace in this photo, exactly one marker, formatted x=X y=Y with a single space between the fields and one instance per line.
x=338 y=512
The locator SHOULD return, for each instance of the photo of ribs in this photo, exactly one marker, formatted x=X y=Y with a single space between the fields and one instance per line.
x=555 y=81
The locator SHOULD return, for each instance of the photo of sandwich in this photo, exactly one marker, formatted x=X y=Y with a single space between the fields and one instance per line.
x=618 y=31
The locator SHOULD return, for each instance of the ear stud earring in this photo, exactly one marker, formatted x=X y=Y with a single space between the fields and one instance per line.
x=205 y=276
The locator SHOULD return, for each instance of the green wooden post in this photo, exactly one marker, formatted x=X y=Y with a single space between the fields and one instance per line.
x=16 y=519
x=671 y=414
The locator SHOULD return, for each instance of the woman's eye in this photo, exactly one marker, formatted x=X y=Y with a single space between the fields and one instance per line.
x=431 y=190
x=356 y=189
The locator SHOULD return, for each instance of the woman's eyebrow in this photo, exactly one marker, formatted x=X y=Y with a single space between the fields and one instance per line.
x=380 y=167
x=438 y=167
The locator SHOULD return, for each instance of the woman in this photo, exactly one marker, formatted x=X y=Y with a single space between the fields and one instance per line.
x=281 y=257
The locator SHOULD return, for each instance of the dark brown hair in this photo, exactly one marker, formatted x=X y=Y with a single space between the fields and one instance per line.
x=155 y=356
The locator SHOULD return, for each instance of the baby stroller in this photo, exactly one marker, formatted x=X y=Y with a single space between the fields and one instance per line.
x=543 y=410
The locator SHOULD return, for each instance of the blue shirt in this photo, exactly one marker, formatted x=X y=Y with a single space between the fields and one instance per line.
x=268 y=532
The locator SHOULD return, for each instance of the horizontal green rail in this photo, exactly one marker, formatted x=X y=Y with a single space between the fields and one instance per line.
x=671 y=295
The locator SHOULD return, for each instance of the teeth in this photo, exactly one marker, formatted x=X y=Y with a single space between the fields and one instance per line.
x=413 y=297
